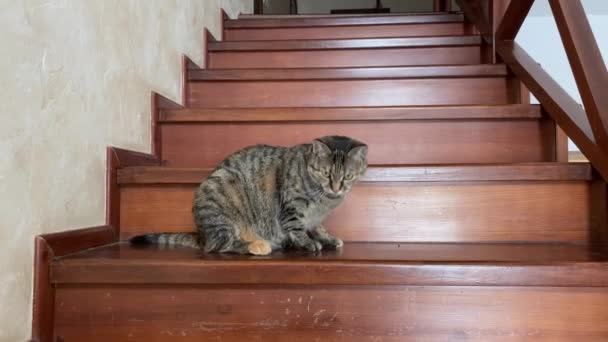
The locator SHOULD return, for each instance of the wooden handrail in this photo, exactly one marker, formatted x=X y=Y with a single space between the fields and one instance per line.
x=588 y=126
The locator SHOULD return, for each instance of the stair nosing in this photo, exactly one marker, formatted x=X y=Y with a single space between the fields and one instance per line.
x=303 y=114
x=344 y=20
x=344 y=44
x=451 y=173
x=369 y=73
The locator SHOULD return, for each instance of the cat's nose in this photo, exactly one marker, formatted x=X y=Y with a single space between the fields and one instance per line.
x=336 y=185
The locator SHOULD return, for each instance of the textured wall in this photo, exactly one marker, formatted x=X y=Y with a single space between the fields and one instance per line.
x=75 y=77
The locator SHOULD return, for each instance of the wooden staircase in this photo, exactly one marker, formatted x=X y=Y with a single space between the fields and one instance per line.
x=470 y=224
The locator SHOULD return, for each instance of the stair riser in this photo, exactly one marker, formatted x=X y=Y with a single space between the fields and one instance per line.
x=391 y=142
x=334 y=93
x=337 y=32
x=346 y=58
x=407 y=212
x=331 y=313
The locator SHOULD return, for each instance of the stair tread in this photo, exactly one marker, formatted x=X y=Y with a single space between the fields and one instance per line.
x=358 y=263
x=515 y=111
x=341 y=20
x=352 y=43
x=434 y=71
x=412 y=173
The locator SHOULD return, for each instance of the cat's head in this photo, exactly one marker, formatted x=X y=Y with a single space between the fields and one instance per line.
x=336 y=162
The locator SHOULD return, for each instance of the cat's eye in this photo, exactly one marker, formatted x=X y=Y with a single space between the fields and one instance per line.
x=349 y=176
x=325 y=173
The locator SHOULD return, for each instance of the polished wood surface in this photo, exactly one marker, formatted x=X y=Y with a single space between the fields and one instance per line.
x=117 y=158
x=513 y=19
x=434 y=173
x=568 y=114
x=407 y=211
x=334 y=44
x=356 y=264
x=346 y=58
x=588 y=66
x=344 y=93
x=373 y=313
x=47 y=248
x=391 y=141
x=342 y=20
x=372 y=73
x=348 y=32
x=515 y=111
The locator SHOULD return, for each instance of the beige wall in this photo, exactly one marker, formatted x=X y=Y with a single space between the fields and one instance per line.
x=75 y=77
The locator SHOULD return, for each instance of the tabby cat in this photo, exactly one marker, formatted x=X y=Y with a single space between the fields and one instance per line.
x=266 y=198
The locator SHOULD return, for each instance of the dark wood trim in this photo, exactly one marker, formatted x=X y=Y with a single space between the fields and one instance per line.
x=350 y=113
x=258 y=7
x=442 y=5
x=118 y=158
x=481 y=70
x=448 y=173
x=341 y=20
x=333 y=44
x=47 y=248
x=598 y=237
x=587 y=64
x=223 y=18
x=43 y=306
x=568 y=114
x=513 y=19
x=325 y=272
x=160 y=104
x=561 y=145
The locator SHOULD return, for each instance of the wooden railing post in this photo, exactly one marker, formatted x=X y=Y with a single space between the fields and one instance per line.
x=442 y=5
x=587 y=64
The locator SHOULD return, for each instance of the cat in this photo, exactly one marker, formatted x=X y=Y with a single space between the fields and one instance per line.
x=266 y=198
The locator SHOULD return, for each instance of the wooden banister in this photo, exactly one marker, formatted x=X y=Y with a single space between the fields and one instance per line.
x=588 y=126
x=513 y=19
x=587 y=64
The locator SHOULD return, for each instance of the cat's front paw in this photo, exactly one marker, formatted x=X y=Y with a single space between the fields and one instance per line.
x=313 y=246
x=333 y=243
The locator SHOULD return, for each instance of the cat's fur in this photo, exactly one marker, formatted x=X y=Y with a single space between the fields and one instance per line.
x=265 y=198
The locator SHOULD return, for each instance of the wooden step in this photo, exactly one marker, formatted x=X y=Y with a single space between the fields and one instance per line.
x=388 y=292
x=460 y=264
x=466 y=203
x=341 y=20
x=396 y=135
x=339 y=87
x=326 y=53
x=456 y=28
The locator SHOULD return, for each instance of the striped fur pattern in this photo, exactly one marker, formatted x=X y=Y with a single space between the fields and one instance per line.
x=266 y=198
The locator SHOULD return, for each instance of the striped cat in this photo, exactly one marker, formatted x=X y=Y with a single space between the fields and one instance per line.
x=266 y=198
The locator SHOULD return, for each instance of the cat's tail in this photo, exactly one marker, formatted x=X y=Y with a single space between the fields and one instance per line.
x=168 y=239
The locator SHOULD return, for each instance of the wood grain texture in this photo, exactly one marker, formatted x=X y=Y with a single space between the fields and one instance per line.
x=346 y=32
x=407 y=211
x=456 y=55
x=588 y=66
x=344 y=93
x=433 y=173
x=515 y=111
x=47 y=248
x=357 y=264
x=117 y=158
x=293 y=74
x=568 y=114
x=390 y=141
x=513 y=19
x=334 y=44
x=328 y=313
x=158 y=105
x=343 y=20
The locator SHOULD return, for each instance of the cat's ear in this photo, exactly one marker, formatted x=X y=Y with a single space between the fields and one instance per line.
x=320 y=149
x=358 y=153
